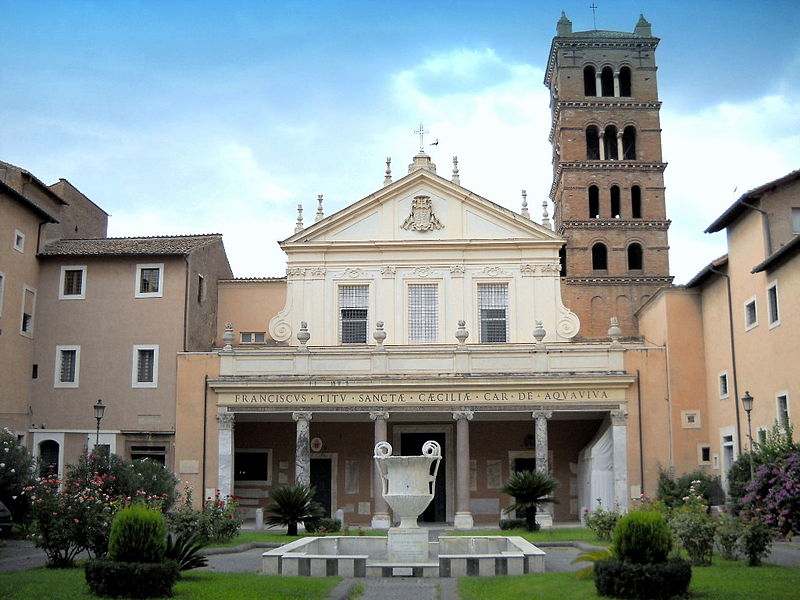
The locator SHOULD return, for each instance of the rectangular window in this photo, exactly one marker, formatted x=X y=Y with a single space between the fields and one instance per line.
x=149 y=281
x=493 y=312
x=796 y=220
x=2 y=288
x=783 y=410
x=253 y=337
x=353 y=307
x=762 y=436
x=68 y=363
x=154 y=453
x=690 y=419
x=723 y=385
x=73 y=283
x=423 y=313
x=704 y=455
x=201 y=288
x=253 y=465
x=19 y=241
x=750 y=314
x=28 y=308
x=772 y=305
x=145 y=367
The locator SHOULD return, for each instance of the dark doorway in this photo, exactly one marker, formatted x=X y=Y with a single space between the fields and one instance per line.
x=410 y=445
x=523 y=464
x=321 y=481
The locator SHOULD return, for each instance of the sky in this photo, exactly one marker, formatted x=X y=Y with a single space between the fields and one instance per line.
x=181 y=117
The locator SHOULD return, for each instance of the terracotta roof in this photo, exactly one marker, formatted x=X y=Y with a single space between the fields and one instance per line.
x=749 y=198
x=707 y=271
x=782 y=254
x=130 y=246
x=251 y=279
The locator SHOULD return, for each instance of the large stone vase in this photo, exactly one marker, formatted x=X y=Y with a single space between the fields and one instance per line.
x=408 y=481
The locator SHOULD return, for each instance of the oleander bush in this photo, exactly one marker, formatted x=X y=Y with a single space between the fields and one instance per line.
x=694 y=527
x=602 y=522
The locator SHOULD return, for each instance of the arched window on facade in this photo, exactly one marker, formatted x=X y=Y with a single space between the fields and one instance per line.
x=48 y=458
x=594 y=202
x=610 y=143
x=607 y=81
x=629 y=143
x=635 y=257
x=599 y=257
x=592 y=143
x=625 y=82
x=636 y=202
x=615 y=202
x=589 y=81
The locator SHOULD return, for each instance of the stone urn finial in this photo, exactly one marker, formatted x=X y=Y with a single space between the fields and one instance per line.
x=614 y=332
x=379 y=335
x=228 y=337
x=538 y=333
x=303 y=336
x=461 y=333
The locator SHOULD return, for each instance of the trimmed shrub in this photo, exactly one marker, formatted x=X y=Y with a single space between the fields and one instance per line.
x=506 y=524
x=661 y=581
x=642 y=537
x=138 y=534
x=330 y=525
x=131 y=580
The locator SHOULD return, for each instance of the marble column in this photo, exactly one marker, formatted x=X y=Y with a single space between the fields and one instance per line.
x=619 y=436
x=463 y=518
x=225 y=423
x=302 y=451
x=380 y=514
x=544 y=514
x=616 y=84
x=620 y=151
x=599 y=82
x=601 y=142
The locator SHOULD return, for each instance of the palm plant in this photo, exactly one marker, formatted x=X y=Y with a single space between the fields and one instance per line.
x=529 y=489
x=184 y=549
x=293 y=504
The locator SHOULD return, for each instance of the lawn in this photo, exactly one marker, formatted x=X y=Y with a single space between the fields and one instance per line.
x=69 y=584
x=552 y=534
x=723 y=581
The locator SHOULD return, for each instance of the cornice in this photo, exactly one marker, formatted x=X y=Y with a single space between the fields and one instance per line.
x=624 y=280
x=602 y=165
x=658 y=225
x=574 y=42
x=598 y=103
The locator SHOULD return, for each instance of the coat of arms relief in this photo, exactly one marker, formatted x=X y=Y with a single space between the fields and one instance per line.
x=421 y=217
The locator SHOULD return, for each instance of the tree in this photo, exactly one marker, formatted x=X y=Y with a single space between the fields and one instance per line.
x=530 y=489
x=291 y=505
x=16 y=473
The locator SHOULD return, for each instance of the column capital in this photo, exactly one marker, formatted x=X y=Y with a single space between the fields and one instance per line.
x=379 y=414
x=463 y=414
x=302 y=415
x=542 y=414
x=619 y=417
x=226 y=420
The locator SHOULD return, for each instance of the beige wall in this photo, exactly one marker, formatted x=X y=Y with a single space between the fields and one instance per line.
x=79 y=219
x=249 y=305
x=211 y=263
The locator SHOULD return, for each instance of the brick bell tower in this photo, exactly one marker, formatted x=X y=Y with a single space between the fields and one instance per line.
x=608 y=174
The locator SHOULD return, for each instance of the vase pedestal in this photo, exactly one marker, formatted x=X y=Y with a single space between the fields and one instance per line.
x=408 y=545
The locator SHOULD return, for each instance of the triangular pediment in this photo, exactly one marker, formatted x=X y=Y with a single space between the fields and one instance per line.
x=421 y=208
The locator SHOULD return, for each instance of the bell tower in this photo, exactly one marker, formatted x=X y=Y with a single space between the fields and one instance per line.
x=608 y=173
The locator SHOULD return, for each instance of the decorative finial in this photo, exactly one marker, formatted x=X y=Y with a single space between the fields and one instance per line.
x=545 y=216
x=455 y=179
x=538 y=334
x=564 y=25
x=299 y=225
x=614 y=332
x=228 y=337
x=303 y=336
x=387 y=179
x=461 y=333
x=320 y=213
x=421 y=132
x=379 y=335
x=643 y=27
x=524 y=212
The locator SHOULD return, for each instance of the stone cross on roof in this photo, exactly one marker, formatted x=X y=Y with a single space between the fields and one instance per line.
x=421 y=132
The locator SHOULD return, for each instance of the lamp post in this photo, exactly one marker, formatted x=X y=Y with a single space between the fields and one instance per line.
x=747 y=404
x=99 y=409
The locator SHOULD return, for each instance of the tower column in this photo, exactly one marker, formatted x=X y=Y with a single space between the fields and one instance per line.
x=598 y=76
x=380 y=513
x=602 y=144
x=463 y=518
x=616 y=84
x=620 y=153
x=225 y=423
x=302 y=450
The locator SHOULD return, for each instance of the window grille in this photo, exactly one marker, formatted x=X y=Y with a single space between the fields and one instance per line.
x=149 y=281
x=145 y=366
x=66 y=369
x=493 y=312
x=73 y=282
x=772 y=302
x=353 y=305
x=423 y=313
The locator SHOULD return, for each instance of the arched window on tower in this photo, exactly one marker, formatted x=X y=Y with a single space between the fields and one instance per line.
x=635 y=257
x=589 y=81
x=636 y=202
x=607 y=81
x=594 y=202
x=610 y=143
x=615 y=210
x=625 y=82
x=599 y=257
x=629 y=143
x=592 y=143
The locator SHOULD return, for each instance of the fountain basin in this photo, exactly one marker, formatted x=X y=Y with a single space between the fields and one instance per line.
x=356 y=556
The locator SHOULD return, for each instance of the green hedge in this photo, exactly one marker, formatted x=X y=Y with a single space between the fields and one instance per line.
x=660 y=581
x=131 y=580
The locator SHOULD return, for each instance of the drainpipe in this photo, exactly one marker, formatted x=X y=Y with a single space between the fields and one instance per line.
x=764 y=225
x=205 y=433
x=641 y=432
x=733 y=360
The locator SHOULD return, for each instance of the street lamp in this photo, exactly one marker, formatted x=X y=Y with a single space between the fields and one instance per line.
x=747 y=404
x=99 y=409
